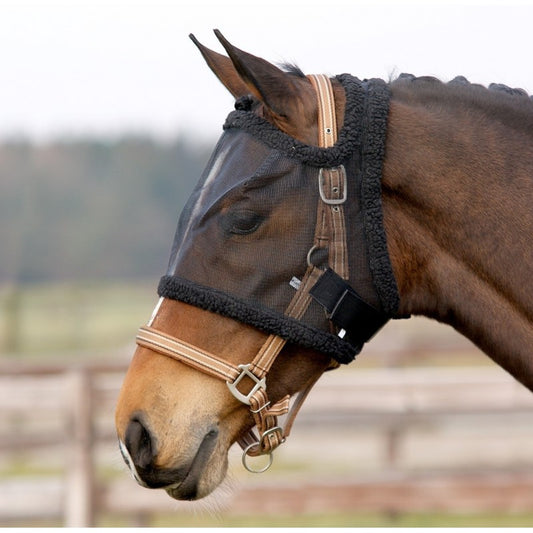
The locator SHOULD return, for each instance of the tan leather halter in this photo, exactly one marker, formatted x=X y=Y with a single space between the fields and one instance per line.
x=330 y=233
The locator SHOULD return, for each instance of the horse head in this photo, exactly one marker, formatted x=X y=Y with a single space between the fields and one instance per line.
x=246 y=232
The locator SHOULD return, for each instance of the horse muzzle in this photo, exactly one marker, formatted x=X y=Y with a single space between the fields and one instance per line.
x=184 y=482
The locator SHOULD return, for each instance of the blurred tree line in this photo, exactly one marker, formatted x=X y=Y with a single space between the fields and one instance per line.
x=92 y=209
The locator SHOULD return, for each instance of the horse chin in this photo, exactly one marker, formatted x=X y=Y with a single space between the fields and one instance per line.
x=201 y=480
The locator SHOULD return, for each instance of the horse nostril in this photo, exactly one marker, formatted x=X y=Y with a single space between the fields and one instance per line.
x=139 y=444
x=212 y=434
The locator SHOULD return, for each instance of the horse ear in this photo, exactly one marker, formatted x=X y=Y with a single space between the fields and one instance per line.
x=224 y=70
x=279 y=91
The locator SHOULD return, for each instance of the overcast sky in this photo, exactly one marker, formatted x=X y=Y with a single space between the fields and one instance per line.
x=105 y=67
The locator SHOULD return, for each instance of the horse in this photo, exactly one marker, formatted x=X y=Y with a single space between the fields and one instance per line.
x=329 y=206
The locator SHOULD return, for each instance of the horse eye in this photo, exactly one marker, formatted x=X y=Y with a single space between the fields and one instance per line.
x=242 y=222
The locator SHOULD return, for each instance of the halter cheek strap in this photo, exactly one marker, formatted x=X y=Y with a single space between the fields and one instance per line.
x=330 y=233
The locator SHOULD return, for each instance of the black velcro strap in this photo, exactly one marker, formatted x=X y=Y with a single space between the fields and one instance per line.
x=346 y=309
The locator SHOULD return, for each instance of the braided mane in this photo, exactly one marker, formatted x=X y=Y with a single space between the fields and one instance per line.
x=460 y=81
x=497 y=102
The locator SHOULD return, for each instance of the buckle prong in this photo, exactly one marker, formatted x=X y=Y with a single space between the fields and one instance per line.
x=260 y=408
x=245 y=372
x=271 y=431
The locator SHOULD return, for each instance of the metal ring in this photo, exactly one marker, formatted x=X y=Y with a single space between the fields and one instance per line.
x=313 y=249
x=250 y=469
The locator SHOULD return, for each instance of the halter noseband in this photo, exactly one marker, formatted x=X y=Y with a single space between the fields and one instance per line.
x=330 y=289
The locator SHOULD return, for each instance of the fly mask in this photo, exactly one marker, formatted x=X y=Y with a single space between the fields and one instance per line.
x=329 y=287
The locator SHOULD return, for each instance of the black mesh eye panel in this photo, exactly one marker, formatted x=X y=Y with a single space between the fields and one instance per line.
x=250 y=222
x=225 y=172
x=273 y=190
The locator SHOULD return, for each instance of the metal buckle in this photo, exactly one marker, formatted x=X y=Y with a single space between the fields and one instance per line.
x=270 y=431
x=333 y=201
x=259 y=384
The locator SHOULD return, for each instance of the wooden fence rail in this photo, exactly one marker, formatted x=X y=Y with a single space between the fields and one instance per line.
x=70 y=410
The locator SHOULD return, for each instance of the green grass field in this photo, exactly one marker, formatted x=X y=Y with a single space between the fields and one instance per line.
x=52 y=321
x=355 y=520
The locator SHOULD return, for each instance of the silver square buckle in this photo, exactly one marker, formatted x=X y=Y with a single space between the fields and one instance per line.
x=325 y=196
x=245 y=372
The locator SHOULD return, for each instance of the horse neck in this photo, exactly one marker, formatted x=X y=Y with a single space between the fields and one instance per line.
x=457 y=196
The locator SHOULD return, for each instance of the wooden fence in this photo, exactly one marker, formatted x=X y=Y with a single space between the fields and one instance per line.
x=67 y=412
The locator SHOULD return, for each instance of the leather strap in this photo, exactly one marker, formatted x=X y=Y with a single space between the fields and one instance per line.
x=327 y=119
x=330 y=227
x=202 y=360
x=332 y=182
x=270 y=434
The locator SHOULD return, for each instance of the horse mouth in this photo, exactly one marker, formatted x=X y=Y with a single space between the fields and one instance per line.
x=189 y=487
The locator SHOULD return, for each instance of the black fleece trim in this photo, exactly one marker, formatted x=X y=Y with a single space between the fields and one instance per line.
x=348 y=141
x=372 y=154
x=257 y=316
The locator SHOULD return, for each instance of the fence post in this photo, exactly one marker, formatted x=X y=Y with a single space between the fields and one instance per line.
x=79 y=486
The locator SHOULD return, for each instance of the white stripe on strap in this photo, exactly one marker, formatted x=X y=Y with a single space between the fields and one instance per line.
x=327 y=121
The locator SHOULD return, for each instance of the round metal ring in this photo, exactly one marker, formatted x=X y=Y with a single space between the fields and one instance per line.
x=249 y=468
x=313 y=249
